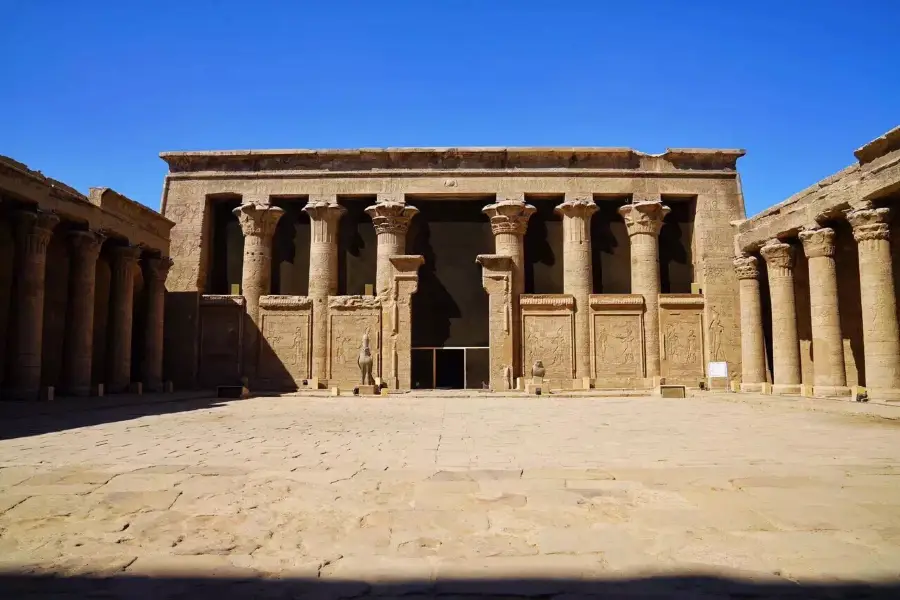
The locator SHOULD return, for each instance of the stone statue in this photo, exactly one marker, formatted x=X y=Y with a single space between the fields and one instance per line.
x=365 y=361
x=507 y=375
x=538 y=369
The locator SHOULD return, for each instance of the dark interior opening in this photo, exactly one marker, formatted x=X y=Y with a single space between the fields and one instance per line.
x=450 y=368
x=544 y=248
x=357 y=242
x=676 y=263
x=422 y=369
x=610 y=248
x=290 y=249
x=226 y=258
x=450 y=307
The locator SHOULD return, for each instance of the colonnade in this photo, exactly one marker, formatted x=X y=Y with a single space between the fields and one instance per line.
x=508 y=218
x=33 y=231
x=881 y=334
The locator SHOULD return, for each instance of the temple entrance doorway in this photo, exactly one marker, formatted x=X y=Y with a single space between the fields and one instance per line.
x=450 y=320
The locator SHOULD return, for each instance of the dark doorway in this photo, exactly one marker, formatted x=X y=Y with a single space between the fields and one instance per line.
x=422 y=369
x=450 y=368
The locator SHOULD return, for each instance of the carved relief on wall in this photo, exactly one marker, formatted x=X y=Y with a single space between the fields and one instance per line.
x=681 y=337
x=548 y=337
x=346 y=329
x=220 y=343
x=618 y=345
x=284 y=356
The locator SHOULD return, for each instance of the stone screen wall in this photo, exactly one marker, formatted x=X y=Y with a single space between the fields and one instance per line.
x=285 y=350
x=349 y=317
x=548 y=334
x=681 y=335
x=617 y=340
x=221 y=340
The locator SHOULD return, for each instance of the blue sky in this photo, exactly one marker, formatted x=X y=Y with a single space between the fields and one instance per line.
x=94 y=90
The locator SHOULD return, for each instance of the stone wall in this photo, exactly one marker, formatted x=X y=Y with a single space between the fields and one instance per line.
x=617 y=340
x=285 y=359
x=349 y=318
x=548 y=323
x=683 y=353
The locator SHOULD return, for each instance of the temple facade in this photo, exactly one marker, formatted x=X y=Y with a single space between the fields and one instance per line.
x=818 y=279
x=611 y=267
x=82 y=289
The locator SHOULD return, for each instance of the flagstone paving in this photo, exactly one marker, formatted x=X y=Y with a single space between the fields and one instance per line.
x=442 y=487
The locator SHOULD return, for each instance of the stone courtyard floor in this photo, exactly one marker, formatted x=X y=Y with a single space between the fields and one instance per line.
x=421 y=491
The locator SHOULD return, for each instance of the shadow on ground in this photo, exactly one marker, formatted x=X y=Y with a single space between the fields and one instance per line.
x=678 y=587
x=23 y=419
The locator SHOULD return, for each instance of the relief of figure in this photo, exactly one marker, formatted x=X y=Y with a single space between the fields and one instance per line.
x=365 y=361
x=716 y=329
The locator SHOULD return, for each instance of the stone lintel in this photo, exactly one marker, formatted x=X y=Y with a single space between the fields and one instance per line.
x=555 y=301
x=221 y=300
x=616 y=301
x=407 y=263
x=353 y=302
x=284 y=302
x=695 y=300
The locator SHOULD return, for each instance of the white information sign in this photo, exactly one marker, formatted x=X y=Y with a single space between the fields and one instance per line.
x=718 y=369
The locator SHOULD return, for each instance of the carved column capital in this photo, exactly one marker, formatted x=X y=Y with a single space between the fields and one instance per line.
x=778 y=255
x=746 y=267
x=870 y=223
x=577 y=206
x=818 y=242
x=258 y=220
x=86 y=244
x=34 y=230
x=645 y=217
x=158 y=268
x=509 y=216
x=391 y=217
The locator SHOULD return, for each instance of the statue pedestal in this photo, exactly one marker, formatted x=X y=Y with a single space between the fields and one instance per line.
x=367 y=390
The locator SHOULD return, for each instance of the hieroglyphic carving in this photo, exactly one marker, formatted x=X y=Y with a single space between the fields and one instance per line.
x=345 y=330
x=548 y=337
x=618 y=345
x=681 y=333
x=284 y=357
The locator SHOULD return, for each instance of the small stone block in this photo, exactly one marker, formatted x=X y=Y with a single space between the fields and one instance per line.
x=520 y=383
x=766 y=388
x=169 y=387
x=537 y=380
x=586 y=383
x=98 y=390
x=367 y=390
x=806 y=391
x=533 y=389
x=136 y=387
x=335 y=391
x=312 y=383
x=696 y=288
x=672 y=391
x=48 y=393
x=735 y=386
x=378 y=382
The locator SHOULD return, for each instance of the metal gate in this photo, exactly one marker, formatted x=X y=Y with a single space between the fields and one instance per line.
x=450 y=367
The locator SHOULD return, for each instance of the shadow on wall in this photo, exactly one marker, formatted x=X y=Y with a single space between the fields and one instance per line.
x=679 y=587
x=432 y=305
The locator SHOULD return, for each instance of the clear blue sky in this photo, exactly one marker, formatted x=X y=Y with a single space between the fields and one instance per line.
x=94 y=90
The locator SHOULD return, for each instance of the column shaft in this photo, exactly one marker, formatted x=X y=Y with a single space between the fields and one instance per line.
x=258 y=222
x=33 y=233
x=644 y=219
x=785 y=340
x=325 y=214
x=79 y=342
x=156 y=270
x=881 y=334
x=391 y=220
x=578 y=272
x=829 y=375
x=121 y=316
x=753 y=354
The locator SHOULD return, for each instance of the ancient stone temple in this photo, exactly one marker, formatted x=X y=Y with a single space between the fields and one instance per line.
x=818 y=279
x=466 y=266
x=82 y=289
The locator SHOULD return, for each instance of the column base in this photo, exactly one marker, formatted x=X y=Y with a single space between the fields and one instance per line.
x=883 y=394
x=831 y=391
x=786 y=389
x=758 y=388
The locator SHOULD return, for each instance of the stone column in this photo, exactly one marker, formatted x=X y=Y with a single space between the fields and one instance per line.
x=753 y=352
x=497 y=279
x=829 y=376
x=391 y=220
x=881 y=334
x=33 y=232
x=324 y=215
x=509 y=221
x=258 y=222
x=79 y=344
x=155 y=272
x=643 y=221
x=578 y=279
x=785 y=340
x=121 y=316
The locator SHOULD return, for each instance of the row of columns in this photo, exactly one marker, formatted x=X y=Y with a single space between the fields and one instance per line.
x=509 y=221
x=34 y=230
x=881 y=334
